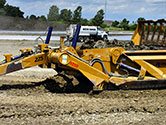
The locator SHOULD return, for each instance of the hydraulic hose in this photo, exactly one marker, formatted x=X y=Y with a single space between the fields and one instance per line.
x=93 y=61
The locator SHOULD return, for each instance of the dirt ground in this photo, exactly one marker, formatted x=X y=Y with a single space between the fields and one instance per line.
x=25 y=100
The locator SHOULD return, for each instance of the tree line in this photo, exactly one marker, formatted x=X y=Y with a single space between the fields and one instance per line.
x=66 y=16
x=125 y=24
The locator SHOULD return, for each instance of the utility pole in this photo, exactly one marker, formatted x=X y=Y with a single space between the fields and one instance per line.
x=105 y=8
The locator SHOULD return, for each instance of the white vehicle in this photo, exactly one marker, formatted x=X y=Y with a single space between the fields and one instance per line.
x=91 y=32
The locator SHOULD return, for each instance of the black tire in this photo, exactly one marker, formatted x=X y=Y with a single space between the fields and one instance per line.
x=85 y=38
x=81 y=39
x=105 y=38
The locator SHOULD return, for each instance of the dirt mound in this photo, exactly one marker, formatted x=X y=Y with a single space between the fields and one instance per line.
x=62 y=82
x=127 y=45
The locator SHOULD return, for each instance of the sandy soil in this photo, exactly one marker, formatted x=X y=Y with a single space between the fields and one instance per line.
x=25 y=100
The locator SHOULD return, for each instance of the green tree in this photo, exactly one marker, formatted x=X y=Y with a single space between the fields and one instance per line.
x=115 y=23
x=53 y=13
x=2 y=12
x=2 y=3
x=124 y=24
x=133 y=26
x=13 y=11
x=66 y=15
x=84 y=22
x=42 y=18
x=90 y=21
x=98 y=19
x=77 y=15
x=33 y=17
x=140 y=19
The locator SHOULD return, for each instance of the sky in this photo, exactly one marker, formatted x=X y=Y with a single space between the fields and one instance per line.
x=114 y=9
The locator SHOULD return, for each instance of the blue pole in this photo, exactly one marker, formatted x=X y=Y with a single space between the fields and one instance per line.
x=49 y=35
x=76 y=35
x=128 y=67
x=16 y=57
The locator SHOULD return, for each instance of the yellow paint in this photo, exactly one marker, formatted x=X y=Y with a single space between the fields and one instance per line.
x=141 y=35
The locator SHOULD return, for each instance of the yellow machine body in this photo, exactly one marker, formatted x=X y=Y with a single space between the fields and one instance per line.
x=101 y=66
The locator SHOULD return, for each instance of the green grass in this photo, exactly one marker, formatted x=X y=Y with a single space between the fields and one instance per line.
x=113 y=29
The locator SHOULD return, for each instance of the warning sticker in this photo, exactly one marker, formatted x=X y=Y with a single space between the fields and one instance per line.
x=74 y=64
x=64 y=59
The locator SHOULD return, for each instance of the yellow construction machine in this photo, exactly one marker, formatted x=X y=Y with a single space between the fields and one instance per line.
x=106 y=67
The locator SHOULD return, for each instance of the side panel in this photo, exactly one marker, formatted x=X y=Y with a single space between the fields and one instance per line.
x=26 y=62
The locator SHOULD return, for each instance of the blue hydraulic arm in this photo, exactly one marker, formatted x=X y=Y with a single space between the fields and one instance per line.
x=76 y=35
x=49 y=35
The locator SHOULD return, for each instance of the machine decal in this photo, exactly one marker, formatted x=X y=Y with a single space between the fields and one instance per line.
x=64 y=59
x=73 y=64
x=40 y=58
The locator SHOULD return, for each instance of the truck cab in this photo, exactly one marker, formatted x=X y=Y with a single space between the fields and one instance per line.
x=102 y=34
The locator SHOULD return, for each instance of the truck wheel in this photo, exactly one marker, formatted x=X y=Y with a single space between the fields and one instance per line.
x=105 y=38
x=85 y=38
x=81 y=39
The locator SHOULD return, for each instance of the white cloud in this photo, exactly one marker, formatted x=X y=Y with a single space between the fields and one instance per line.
x=141 y=10
x=151 y=1
x=119 y=9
